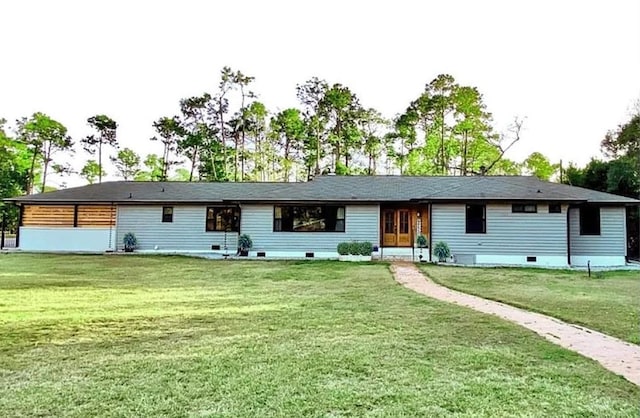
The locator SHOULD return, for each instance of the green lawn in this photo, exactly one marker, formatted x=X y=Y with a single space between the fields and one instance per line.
x=171 y=336
x=608 y=302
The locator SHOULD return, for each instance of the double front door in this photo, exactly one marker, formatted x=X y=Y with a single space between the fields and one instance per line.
x=396 y=227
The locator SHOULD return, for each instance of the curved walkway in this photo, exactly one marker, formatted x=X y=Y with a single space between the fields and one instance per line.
x=616 y=355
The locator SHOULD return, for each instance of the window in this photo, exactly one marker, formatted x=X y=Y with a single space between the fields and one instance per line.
x=167 y=214
x=589 y=220
x=220 y=218
x=476 y=219
x=308 y=219
x=555 y=208
x=524 y=208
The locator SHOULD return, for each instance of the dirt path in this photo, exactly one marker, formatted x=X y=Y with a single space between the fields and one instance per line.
x=616 y=355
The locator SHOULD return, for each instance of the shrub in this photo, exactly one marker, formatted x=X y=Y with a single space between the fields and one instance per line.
x=366 y=248
x=441 y=250
x=244 y=242
x=355 y=248
x=343 y=248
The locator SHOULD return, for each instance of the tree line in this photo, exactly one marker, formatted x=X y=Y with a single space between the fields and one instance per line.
x=230 y=135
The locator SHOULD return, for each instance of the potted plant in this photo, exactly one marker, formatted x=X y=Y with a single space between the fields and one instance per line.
x=421 y=241
x=130 y=242
x=441 y=251
x=244 y=245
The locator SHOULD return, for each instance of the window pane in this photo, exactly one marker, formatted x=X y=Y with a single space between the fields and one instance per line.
x=524 y=208
x=388 y=222
x=309 y=218
x=404 y=222
x=475 y=219
x=589 y=220
x=167 y=214
x=223 y=219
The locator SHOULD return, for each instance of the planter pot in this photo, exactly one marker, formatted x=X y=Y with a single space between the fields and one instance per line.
x=244 y=253
x=354 y=258
x=128 y=250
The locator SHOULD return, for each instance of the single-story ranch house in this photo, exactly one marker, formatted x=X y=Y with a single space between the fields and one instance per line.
x=515 y=220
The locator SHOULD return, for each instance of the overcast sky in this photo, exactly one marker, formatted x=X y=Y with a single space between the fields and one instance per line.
x=572 y=68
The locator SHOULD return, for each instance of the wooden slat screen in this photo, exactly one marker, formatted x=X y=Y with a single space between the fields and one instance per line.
x=96 y=216
x=47 y=215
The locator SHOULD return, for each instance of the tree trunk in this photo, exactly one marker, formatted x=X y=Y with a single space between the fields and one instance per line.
x=194 y=160
x=464 y=153
x=235 y=157
x=32 y=172
x=100 y=161
x=46 y=161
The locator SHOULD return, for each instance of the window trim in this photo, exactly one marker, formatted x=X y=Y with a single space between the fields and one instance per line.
x=167 y=217
x=214 y=208
x=338 y=207
x=522 y=208
x=484 y=218
x=583 y=221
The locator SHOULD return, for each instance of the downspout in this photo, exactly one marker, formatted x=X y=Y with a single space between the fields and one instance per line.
x=430 y=218
x=568 y=236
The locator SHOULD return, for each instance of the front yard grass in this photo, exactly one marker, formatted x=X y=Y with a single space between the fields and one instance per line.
x=172 y=336
x=607 y=301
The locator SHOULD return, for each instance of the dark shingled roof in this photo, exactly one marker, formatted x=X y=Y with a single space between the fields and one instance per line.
x=333 y=188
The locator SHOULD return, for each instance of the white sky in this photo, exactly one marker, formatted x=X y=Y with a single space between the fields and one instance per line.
x=571 y=67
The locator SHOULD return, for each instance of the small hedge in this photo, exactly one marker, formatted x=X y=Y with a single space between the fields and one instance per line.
x=355 y=248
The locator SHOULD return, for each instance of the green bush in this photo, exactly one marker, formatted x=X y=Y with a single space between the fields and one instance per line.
x=130 y=241
x=343 y=248
x=355 y=248
x=366 y=248
x=421 y=240
x=244 y=242
x=441 y=251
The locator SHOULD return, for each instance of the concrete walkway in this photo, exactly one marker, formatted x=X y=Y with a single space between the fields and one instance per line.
x=616 y=355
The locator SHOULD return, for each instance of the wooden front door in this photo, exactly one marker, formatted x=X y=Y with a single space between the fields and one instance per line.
x=396 y=227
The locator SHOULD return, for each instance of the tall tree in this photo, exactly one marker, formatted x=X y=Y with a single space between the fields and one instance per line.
x=288 y=129
x=197 y=133
x=311 y=95
x=372 y=127
x=44 y=137
x=342 y=110
x=106 y=136
x=154 y=169
x=540 y=166
x=92 y=171
x=169 y=130
x=127 y=163
x=256 y=127
x=241 y=81
x=15 y=160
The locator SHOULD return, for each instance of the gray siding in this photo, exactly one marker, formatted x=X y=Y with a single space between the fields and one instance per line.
x=185 y=233
x=612 y=239
x=534 y=234
x=362 y=223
